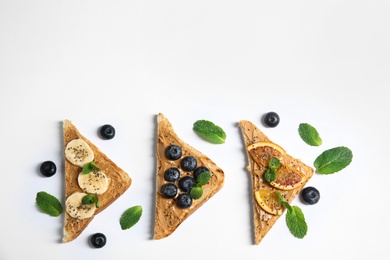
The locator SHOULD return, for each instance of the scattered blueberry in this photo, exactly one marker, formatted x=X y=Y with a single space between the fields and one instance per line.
x=199 y=170
x=186 y=183
x=271 y=119
x=172 y=174
x=107 y=132
x=310 y=195
x=173 y=152
x=98 y=240
x=169 y=190
x=189 y=163
x=48 y=168
x=184 y=200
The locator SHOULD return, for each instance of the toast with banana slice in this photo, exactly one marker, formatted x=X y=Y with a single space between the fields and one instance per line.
x=180 y=175
x=92 y=182
x=260 y=149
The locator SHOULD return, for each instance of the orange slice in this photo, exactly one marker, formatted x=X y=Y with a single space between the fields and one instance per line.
x=268 y=200
x=287 y=178
x=262 y=152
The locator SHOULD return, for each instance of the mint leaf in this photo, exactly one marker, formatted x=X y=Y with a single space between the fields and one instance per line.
x=89 y=167
x=274 y=163
x=209 y=131
x=196 y=192
x=90 y=199
x=333 y=160
x=295 y=219
x=203 y=178
x=309 y=134
x=130 y=217
x=296 y=222
x=270 y=175
x=48 y=204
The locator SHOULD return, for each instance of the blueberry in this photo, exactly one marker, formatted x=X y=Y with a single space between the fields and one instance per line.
x=184 y=200
x=189 y=163
x=310 y=195
x=186 y=183
x=48 y=168
x=271 y=119
x=169 y=190
x=173 y=152
x=107 y=132
x=199 y=170
x=172 y=174
x=98 y=240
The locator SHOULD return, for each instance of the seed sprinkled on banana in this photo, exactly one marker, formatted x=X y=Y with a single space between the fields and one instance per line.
x=75 y=207
x=78 y=152
x=95 y=182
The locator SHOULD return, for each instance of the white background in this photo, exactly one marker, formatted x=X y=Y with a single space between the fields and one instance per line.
x=326 y=63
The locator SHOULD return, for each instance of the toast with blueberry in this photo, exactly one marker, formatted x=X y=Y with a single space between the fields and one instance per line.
x=185 y=180
x=290 y=177
x=92 y=182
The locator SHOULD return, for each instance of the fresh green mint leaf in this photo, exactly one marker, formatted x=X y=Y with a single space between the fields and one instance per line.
x=333 y=160
x=48 y=204
x=309 y=134
x=90 y=199
x=89 y=167
x=130 y=217
x=196 y=192
x=270 y=175
x=274 y=163
x=296 y=222
x=203 y=178
x=295 y=219
x=209 y=131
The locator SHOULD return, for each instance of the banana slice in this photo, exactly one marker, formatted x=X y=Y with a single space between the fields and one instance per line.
x=95 y=182
x=75 y=207
x=78 y=152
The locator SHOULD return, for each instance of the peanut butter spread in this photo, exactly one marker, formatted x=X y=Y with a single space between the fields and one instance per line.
x=264 y=221
x=168 y=216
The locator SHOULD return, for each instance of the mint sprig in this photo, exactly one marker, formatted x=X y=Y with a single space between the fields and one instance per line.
x=197 y=191
x=90 y=167
x=295 y=219
x=333 y=160
x=273 y=166
x=90 y=199
x=209 y=131
x=270 y=175
x=130 y=217
x=48 y=204
x=309 y=134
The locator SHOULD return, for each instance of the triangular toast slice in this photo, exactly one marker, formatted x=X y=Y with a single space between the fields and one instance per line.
x=118 y=184
x=168 y=215
x=263 y=221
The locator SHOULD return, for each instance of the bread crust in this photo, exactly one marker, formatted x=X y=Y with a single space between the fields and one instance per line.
x=168 y=216
x=263 y=221
x=120 y=181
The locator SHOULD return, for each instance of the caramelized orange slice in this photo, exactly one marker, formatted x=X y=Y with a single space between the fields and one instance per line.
x=268 y=200
x=287 y=178
x=262 y=152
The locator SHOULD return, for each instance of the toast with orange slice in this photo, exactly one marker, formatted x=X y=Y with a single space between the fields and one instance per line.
x=178 y=166
x=105 y=181
x=291 y=177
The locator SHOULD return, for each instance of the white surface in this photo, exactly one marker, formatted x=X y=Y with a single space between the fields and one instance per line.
x=121 y=62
